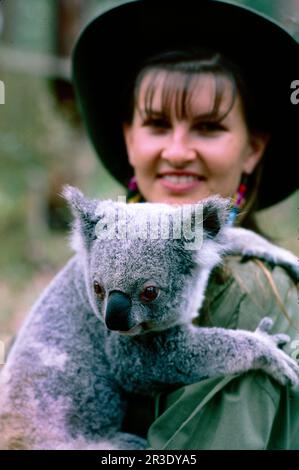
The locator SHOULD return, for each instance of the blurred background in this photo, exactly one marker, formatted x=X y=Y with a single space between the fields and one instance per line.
x=43 y=146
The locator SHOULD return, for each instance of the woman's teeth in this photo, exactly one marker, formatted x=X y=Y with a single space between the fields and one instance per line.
x=179 y=179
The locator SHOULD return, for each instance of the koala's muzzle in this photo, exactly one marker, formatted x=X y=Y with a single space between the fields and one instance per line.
x=118 y=312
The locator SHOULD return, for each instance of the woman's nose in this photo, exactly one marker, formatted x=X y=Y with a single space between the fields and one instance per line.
x=178 y=148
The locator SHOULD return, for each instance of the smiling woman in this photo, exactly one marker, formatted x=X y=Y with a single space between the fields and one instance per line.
x=189 y=99
x=190 y=113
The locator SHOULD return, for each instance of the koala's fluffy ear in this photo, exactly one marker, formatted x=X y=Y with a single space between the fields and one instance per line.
x=81 y=207
x=84 y=211
x=215 y=213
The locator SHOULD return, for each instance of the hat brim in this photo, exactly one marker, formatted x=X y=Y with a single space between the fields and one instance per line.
x=113 y=45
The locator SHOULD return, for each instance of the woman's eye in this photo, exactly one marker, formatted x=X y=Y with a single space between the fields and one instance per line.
x=149 y=294
x=156 y=123
x=99 y=290
x=209 y=127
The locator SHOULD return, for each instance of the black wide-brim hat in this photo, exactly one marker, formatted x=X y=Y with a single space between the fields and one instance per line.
x=111 y=48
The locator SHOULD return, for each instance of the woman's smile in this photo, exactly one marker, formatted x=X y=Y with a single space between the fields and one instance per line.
x=179 y=182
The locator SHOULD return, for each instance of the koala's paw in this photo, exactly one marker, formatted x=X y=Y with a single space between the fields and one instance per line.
x=273 y=360
x=264 y=327
x=251 y=245
x=276 y=256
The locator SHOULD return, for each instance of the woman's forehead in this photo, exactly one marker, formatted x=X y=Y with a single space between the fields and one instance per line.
x=184 y=95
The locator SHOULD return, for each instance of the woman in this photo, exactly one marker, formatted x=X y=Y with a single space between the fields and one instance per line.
x=210 y=112
x=184 y=104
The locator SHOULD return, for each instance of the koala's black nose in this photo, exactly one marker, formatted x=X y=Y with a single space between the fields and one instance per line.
x=118 y=311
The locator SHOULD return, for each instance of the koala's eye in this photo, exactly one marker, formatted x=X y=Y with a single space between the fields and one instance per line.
x=99 y=290
x=149 y=294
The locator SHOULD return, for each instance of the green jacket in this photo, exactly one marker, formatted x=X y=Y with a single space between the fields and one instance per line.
x=246 y=411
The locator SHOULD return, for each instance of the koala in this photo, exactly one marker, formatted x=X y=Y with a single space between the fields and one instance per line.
x=118 y=319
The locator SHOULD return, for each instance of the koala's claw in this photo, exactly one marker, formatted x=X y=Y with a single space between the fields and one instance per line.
x=276 y=362
x=281 y=339
x=289 y=375
x=282 y=368
x=265 y=325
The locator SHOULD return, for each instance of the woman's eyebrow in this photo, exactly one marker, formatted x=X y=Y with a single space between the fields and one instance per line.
x=197 y=118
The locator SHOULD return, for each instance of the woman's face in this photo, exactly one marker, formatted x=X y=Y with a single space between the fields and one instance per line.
x=185 y=157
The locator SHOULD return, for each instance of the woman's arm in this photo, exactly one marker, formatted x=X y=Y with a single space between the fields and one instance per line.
x=234 y=413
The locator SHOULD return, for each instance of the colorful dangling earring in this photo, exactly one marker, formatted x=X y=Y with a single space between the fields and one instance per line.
x=133 y=194
x=132 y=186
x=238 y=200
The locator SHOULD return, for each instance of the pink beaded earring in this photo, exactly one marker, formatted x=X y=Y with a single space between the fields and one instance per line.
x=238 y=200
x=132 y=186
x=133 y=194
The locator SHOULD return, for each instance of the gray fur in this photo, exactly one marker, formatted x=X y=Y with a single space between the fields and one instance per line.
x=249 y=244
x=64 y=382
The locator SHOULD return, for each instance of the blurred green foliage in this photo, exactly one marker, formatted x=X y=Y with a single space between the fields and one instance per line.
x=33 y=32
x=40 y=151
